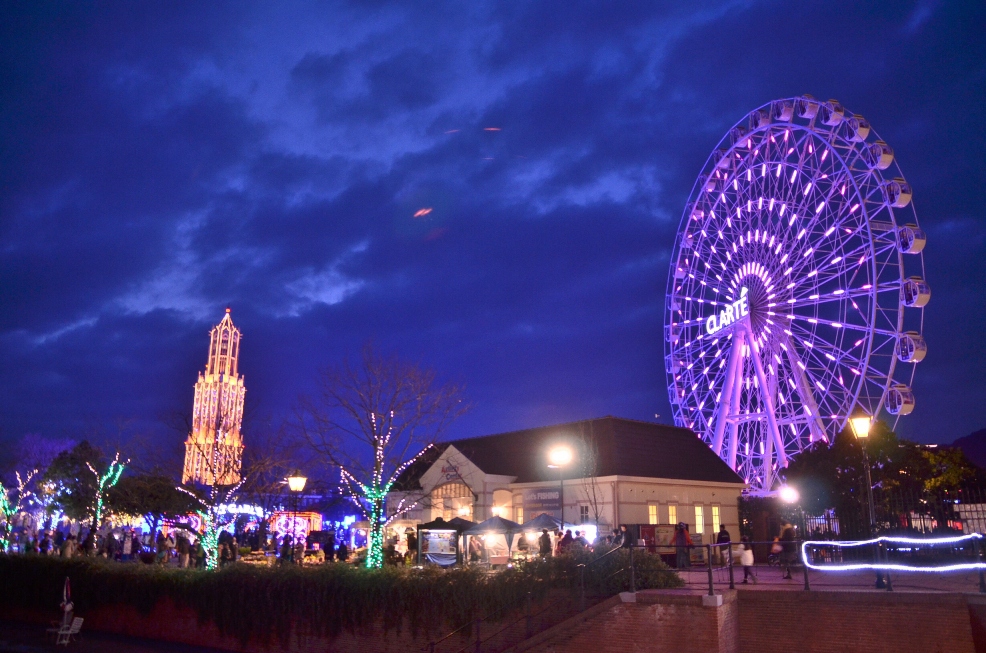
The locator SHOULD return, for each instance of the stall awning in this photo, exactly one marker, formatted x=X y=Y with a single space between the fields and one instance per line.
x=497 y=525
x=458 y=524
x=541 y=522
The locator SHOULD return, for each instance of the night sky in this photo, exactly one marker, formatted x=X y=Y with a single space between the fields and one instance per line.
x=160 y=163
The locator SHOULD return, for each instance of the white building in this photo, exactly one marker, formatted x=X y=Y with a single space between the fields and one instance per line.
x=622 y=472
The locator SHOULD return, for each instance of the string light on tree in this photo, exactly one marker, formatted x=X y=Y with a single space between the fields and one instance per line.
x=8 y=508
x=214 y=516
x=371 y=497
x=103 y=483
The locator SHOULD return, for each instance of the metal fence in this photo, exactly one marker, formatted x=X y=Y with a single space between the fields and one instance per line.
x=902 y=511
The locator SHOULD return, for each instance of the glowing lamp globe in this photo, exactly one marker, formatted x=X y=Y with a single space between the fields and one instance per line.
x=560 y=456
x=861 y=425
x=296 y=482
x=788 y=494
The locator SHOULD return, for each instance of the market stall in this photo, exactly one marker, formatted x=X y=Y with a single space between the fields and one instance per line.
x=438 y=541
x=492 y=541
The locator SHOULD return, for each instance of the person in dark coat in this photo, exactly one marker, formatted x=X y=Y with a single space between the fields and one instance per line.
x=544 y=544
x=723 y=539
x=287 y=550
x=566 y=542
x=342 y=552
x=626 y=541
x=682 y=543
x=789 y=550
x=330 y=547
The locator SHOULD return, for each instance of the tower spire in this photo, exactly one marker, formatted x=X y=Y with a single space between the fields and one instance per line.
x=214 y=449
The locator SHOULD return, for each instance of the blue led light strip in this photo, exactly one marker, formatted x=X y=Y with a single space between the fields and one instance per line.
x=887 y=566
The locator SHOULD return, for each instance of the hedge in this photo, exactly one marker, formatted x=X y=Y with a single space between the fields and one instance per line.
x=258 y=603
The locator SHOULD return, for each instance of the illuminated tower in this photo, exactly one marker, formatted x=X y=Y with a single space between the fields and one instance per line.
x=214 y=449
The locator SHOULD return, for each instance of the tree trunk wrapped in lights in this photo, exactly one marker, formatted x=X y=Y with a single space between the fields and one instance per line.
x=372 y=421
x=104 y=482
x=209 y=500
x=8 y=508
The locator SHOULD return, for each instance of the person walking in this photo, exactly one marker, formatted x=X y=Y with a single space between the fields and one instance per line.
x=544 y=544
x=580 y=540
x=626 y=540
x=330 y=546
x=723 y=540
x=342 y=552
x=789 y=549
x=746 y=559
x=126 y=547
x=184 y=551
x=682 y=546
x=565 y=544
x=68 y=547
x=198 y=551
x=287 y=549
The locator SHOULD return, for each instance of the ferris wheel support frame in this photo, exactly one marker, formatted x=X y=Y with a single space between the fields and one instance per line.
x=743 y=341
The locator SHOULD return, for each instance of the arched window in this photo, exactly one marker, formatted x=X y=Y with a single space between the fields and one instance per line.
x=453 y=499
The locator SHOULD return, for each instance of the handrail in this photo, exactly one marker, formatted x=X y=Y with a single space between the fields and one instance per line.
x=582 y=566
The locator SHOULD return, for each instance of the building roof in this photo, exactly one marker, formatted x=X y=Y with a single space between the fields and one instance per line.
x=608 y=446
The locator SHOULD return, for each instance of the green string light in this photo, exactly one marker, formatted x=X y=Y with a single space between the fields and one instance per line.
x=104 y=482
x=7 y=511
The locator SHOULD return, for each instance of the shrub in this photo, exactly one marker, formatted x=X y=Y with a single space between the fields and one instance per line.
x=258 y=603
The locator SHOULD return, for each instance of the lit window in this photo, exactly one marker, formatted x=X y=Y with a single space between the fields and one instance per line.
x=652 y=514
x=583 y=514
x=716 y=520
x=699 y=519
x=672 y=513
x=520 y=516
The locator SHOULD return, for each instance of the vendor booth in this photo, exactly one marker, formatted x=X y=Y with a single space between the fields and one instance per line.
x=531 y=530
x=492 y=541
x=439 y=541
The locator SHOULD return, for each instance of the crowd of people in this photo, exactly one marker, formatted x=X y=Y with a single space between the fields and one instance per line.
x=172 y=547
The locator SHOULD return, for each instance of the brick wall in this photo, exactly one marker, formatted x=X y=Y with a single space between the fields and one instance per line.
x=658 y=622
x=851 y=621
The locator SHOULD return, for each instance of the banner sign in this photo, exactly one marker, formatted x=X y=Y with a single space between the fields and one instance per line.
x=538 y=500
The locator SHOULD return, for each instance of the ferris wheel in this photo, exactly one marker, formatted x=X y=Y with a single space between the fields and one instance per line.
x=796 y=292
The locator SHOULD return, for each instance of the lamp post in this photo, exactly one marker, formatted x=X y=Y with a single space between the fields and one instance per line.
x=860 y=424
x=558 y=457
x=296 y=483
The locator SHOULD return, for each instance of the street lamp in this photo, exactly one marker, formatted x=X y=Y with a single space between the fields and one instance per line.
x=296 y=483
x=558 y=457
x=860 y=423
x=788 y=494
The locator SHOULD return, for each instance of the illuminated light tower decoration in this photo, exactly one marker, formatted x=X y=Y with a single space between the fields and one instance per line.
x=214 y=449
x=796 y=290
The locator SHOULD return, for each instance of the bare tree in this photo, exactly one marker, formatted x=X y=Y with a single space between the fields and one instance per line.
x=211 y=499
x=11 y=502
x=267 y=462
x=371 y=421
x=588 y=465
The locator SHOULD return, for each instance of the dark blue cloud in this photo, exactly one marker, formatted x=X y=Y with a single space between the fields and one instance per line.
x=161 y=162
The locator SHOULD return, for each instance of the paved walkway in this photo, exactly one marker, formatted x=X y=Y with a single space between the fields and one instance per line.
x=28 y=638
